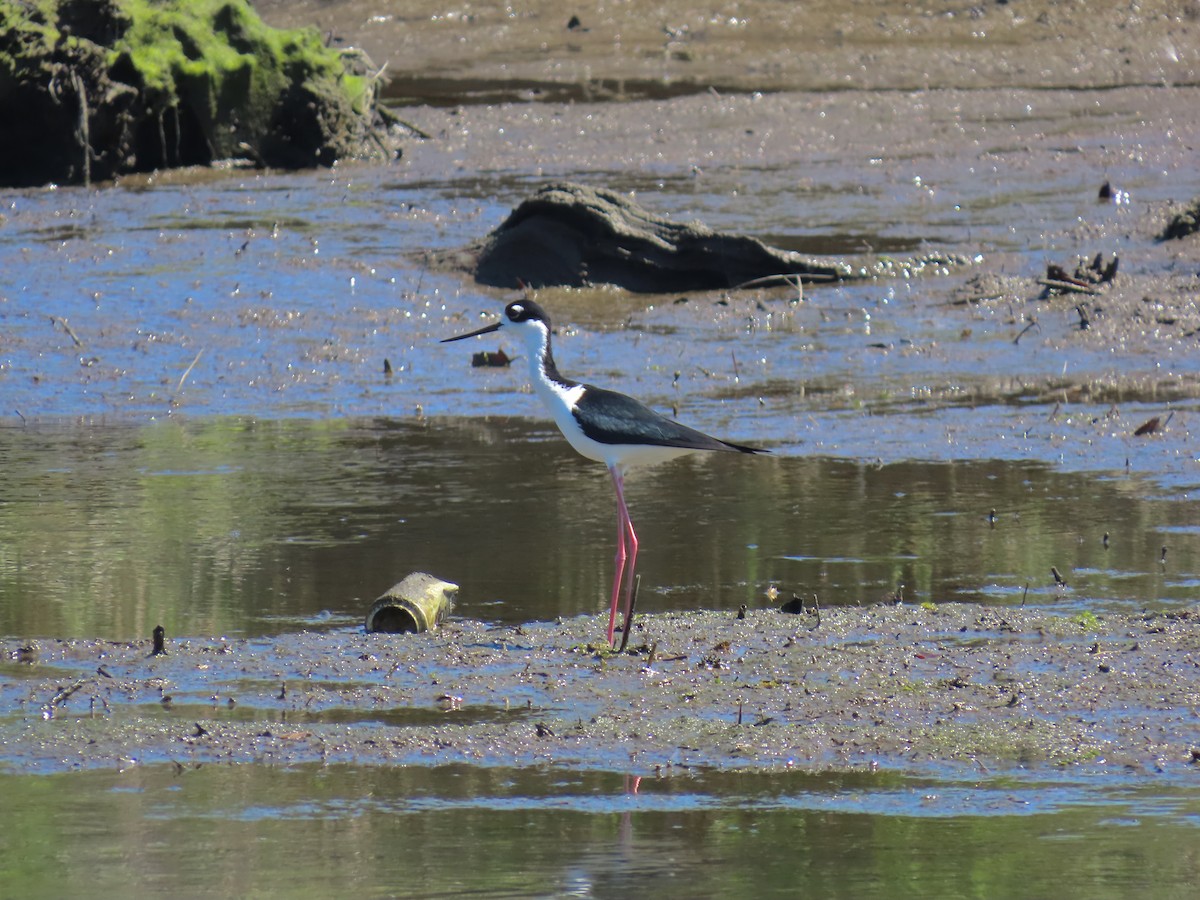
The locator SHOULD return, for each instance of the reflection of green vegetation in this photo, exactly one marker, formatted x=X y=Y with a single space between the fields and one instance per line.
x=918 y=526
x=311 y=830
x=206 y=526
x=136 y=527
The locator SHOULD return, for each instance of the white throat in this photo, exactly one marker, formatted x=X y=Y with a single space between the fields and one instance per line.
x=558 y=394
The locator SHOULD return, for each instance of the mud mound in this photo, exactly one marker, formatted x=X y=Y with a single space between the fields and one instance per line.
x=90 y=90
x=570 y=235
x=1183 y=222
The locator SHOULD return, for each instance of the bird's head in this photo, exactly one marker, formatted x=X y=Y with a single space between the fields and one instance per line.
x=524 y=317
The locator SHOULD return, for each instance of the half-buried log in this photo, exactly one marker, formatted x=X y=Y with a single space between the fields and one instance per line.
x=571 y=235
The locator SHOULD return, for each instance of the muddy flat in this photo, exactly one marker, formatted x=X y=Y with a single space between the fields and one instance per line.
x=952 y=688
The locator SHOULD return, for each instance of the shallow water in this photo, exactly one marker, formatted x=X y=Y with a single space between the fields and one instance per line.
x=282 y=295
x=241 y=527
x=458 y=831
x=232 y=526
x=196 y=431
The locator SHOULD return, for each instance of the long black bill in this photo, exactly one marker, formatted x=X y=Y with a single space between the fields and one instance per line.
x=495 y=326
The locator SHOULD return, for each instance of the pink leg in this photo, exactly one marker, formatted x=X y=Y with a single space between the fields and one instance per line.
x=619 y=561
x=625 y=538
x=630 y=568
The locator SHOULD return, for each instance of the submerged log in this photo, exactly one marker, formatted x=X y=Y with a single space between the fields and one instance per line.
x=571 y=235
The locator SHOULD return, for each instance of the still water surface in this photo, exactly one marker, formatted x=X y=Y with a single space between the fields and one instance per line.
x=459 y=831
x=241 y=527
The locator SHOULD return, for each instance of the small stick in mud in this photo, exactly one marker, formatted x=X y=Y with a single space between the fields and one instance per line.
x=160 y=641
x=1032 y=324
x=628 y=626
x=188 y=370
x=59 y=320
x=1054 y=284
x=65 y=693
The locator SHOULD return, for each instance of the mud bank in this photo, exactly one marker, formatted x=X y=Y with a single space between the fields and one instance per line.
x=926 y=690
x=594 y=50
x=89 y=91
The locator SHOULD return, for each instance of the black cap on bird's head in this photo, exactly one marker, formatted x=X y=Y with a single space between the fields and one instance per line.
x=516 y=313
x=526 y=311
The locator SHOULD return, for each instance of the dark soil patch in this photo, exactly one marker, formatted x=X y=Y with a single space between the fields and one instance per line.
x=1182 y=222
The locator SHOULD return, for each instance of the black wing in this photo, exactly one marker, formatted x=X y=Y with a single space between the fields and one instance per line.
x=612 y=418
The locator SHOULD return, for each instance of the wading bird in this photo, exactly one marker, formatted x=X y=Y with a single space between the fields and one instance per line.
x=603 y=425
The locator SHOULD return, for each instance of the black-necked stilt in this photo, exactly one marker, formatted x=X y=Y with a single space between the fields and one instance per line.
x=605 y=426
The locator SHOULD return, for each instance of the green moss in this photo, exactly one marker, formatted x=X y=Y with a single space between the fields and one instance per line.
x=28 y=31
x=163 y=83
x=219 y=56
x=221 y=37
x=35 y=17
